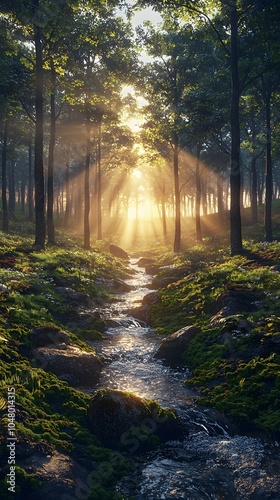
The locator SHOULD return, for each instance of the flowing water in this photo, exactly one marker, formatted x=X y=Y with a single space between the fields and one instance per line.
x=211 y=463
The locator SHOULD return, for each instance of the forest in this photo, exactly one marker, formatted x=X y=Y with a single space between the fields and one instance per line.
x=144 y=128
x=139 y=249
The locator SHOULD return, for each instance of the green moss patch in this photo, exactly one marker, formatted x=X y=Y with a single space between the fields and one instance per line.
x=50 y=415
x=235 y=364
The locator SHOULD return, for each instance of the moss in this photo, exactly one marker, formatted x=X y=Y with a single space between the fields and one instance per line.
x=24 y=482
x=50 y=414
x=235 y=369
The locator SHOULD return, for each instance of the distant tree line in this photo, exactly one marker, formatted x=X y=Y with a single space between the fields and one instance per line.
x=211 y=119
x=214 y=85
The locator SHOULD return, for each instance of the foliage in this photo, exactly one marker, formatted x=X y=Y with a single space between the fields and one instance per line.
x=235 y=364
x=50 y=414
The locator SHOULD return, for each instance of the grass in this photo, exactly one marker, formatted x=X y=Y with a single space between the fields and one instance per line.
x=50 y=414
x=236 y=365
x=236 y=370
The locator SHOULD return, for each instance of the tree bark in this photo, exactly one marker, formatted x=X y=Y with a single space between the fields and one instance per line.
x=177 y=237
x=30 y=179
x=4 y=179
x=67 y=188
x=220 y=200
x=99 y=185
x=22 y=194
x=86 y=192
x=235 y=173
x=163 y=213
x=50 y=221
x=254 y=200
x=12 y=192
x=40 y=224
x=268 y=178
x=198 y=196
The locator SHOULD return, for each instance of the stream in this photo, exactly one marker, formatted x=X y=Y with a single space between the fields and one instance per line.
x=212 y=462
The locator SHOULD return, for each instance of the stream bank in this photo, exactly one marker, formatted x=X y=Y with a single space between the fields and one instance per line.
x=213 y=461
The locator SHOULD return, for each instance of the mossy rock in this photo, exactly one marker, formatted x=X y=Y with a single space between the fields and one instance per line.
x=118 y=252
x=123 y=420
x=71 y=364
x=48 y=334
x=172 y=348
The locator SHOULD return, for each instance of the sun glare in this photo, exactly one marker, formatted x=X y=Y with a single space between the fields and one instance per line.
x=137 y=203
x=130 y=90
x=134 y=124
x=137 y=173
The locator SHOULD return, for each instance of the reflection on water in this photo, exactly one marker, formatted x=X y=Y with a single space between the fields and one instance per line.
x=129 y=350
x=132 y=367
x=209 y=464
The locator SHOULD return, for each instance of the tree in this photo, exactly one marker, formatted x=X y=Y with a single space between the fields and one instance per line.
x=235 y=170
x=12 y=77
x=32 y=19
x=101 y=58
x=165 y=85
x=234 y=14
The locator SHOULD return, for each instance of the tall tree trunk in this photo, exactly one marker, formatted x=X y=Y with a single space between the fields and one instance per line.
x=50 y=221
x=220 y=200
x=86 y=191
x=163 y=212
x=40 y=224
x=99 y=185
x=198 y=196
x=177 y=237
x=254 y=201
x=67 y=187
x=22 y=194
x=30 y=179
x=4 y=178
x=261 y=179
x=268 y=178
x=79 y=193
x=12 y=192
x=235 y=172
x=204 y=198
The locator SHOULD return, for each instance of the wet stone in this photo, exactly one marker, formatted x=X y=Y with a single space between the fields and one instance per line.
x=213 y=462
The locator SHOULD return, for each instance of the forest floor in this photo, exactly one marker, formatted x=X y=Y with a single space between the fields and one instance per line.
x=234 y=361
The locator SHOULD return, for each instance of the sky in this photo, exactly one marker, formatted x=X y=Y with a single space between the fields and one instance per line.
x=146 y=15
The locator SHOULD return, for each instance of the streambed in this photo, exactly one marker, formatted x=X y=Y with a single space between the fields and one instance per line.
x=213 y=462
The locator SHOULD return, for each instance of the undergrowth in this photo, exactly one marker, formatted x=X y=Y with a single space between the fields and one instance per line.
x=235 y=360
x=235 y=363
x=50 y=415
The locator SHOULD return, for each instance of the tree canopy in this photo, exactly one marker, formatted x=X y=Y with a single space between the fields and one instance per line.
x=205 y=81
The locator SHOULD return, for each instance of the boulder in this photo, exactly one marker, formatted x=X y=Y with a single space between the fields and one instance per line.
x=118 y=252
x=69 y=363
x=234 y=301
x=172 y=348
x=145 y=261
x=142 y=313
x=58 y=476
x=153 y=269
x=163 y=282
x=112 y=323
x=151 y=298
x=123 y=420
x=121 y=286
x=76 y=318
x=70 y=295
x=47 y=335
